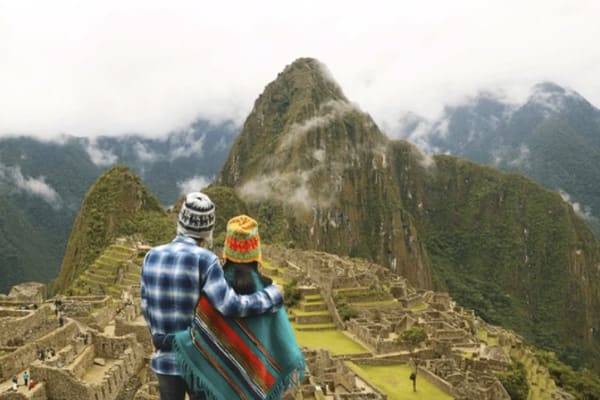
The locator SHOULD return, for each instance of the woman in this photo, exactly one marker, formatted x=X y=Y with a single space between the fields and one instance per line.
x=251 y=358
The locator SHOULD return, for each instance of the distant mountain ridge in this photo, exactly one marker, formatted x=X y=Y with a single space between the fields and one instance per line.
x=553 y=138
x=43 y=184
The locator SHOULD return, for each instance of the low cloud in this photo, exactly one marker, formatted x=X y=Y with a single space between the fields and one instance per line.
x=512 y=157
x=33 y=186
x=330 y=111
x=100 y=157
x=144 y=154
x=584 y=212
x=418 y=130
x=522 y=157
x=293 y=189
x=193 y=184
x=186 y=146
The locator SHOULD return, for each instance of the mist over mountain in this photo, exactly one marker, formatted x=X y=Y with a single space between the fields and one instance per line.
x=319 y=174
x=553 y=138
x=43 y=183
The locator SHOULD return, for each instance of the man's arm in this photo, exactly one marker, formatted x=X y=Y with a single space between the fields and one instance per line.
x=229 y=303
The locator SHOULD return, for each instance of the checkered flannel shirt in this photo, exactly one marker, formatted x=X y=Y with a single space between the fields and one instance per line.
x=173 y=276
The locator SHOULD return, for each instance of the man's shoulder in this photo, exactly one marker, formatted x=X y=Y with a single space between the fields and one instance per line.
x=179 y=246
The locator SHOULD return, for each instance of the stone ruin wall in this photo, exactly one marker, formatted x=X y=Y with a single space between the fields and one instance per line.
x=113 y=347
x=19 y=359
x=21 y=323
x=141 y=331
x=128 y=363
x=437 y=381
x=75 y=306
x=82 y=363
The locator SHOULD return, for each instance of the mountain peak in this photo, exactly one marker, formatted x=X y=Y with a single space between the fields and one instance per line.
x=301 y=116
x=310 y=74
x=553 y=98
x=549 y=87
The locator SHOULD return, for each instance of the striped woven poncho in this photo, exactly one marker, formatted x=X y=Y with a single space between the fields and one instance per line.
x=239 y=358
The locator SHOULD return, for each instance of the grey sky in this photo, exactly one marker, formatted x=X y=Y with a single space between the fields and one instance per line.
x=148 y=67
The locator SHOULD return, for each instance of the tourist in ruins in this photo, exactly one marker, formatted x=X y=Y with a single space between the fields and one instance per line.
x=15 y=383
x=173 y=277
x=413 y=378
x=230 y=358
x=25 y=378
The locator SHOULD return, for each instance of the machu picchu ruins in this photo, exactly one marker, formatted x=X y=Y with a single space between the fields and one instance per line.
x=92 y=342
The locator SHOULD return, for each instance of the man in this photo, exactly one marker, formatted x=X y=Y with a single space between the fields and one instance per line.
x=173 y=277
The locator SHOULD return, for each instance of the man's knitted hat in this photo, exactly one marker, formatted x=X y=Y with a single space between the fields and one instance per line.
x=197 y=217
x=242 y=242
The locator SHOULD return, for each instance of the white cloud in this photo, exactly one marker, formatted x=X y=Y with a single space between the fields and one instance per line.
x=150 y=67
x=193 y=184
x=100 y=157
x=290 y=188
x=144 y=154
x=522 y=157
x=34 y=186
x=330 y=111
x=584 y=212
x=187 y=146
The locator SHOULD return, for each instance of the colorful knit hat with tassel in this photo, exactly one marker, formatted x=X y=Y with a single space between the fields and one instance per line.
x=242 y=242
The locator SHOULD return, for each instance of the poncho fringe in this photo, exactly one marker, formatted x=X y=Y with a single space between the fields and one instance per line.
x=253 y=358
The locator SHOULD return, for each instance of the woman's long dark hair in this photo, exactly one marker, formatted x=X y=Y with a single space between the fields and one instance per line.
x=243 y=281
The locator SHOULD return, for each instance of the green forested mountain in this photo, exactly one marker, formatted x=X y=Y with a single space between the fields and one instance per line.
x=553 y=138
x=41 y=187
x=318 y=174
x=116 y=205
x=43 y=184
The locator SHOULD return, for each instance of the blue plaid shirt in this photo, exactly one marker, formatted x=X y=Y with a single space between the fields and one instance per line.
x=173 y=276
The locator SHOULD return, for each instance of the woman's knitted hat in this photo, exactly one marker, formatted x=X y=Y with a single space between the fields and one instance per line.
x=197 y=217
x=242 y=242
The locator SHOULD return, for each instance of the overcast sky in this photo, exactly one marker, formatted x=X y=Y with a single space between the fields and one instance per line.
x=148 y=67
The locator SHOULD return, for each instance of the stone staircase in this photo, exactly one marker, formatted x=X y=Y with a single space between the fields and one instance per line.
x=311 y=312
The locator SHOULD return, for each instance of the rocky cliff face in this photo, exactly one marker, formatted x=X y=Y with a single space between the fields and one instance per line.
x=318 y=174
x=313 y=166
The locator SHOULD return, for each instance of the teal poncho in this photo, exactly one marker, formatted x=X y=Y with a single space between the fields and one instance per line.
x=239 y=358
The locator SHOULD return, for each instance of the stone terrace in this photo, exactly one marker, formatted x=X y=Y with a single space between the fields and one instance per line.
x=101 y=351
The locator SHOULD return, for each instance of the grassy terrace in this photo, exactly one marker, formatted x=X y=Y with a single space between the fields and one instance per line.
x=419 y=307
x=102 y=276
x=393 y=380
x=483 y=335
x=331 y=339
x=375 y=303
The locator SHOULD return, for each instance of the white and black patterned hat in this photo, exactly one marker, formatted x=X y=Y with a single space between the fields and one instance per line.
x=196 y=217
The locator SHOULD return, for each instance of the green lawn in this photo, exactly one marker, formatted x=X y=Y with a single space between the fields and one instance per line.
x=332 y=340
x=393 y=380
x=419 y=307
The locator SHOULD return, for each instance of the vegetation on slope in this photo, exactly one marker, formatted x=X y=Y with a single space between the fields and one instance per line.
x=584 y=384
x=499 y=243
x=514 y=252
x=515 y=381
x=116 y=205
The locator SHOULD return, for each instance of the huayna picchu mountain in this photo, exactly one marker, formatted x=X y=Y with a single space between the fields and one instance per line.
x=314 y=164
x=117 y=205
x=318 y=174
